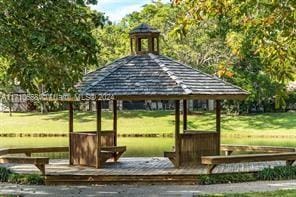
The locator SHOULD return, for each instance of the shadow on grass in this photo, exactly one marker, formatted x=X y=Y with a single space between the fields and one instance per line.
x=91 y=116
x=261 y=121
x=267 y=121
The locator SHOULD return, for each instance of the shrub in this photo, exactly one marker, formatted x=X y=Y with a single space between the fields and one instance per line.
x=226 y=178
x=277 y=173
x=32 y=179
x=35 y=179
x=4 y=174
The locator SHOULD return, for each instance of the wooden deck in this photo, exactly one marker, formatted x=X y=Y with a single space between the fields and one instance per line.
x=133 y=170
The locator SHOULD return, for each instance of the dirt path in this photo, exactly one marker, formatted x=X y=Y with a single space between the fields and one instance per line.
x=143 y=190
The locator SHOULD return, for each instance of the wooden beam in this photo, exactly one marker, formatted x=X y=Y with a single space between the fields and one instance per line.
x=71 y=128
x=177 y=133
x=115 y=121
x=184 y=115
x=218 y=124
x=240 y=96
x=99 y=128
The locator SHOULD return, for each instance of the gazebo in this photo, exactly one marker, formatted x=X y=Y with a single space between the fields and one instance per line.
x=145 y=74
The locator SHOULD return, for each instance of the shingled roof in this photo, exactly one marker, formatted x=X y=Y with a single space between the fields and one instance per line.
x=144 y=28
x=152 y=76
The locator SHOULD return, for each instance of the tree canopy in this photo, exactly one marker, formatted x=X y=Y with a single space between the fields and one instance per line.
x=261 y=34
x=253 y=48
x=249 y=43
x=47 y=43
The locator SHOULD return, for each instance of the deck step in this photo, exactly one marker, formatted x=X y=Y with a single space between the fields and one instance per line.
x=119 y=179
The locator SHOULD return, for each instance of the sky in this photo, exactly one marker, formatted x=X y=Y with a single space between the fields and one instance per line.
x=117 y=9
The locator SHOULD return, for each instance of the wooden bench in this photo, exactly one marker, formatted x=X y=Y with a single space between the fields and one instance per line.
x=213 y=161
x=28 y=151
x=228 y=149
x=112 y=152
x=39 y=162
x=171 y=155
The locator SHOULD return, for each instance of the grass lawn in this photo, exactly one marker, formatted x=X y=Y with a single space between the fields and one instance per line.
x=149 y=122
x=279 y=193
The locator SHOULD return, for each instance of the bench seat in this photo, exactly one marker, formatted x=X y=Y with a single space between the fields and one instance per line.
x=39 y=162
x=112 y=152
x=171 y=155
x=213 y=161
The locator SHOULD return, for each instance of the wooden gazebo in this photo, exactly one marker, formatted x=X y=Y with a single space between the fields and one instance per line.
x=147 y=75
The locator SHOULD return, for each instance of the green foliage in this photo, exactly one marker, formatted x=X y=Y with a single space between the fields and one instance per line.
x=277 y=173
x=260 y=35
x=4 y=174
x=277 y=193
x=217 y=38
x=7 y=176
x=113 y=41
x=31 y=179
x=48 y=44
x=267 y=174
x=226 y=178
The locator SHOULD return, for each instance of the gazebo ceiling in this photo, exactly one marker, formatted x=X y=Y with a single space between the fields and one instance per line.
x=150 y=76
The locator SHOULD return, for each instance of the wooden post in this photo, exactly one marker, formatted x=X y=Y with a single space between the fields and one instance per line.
x=184 y=115
x=132 y=48
x=90 y=104
x=136 y=46
x=10 y=104
x=218 y=123
x=177 y=133
x=115 y=121
x=139 y=46
x=150 y=44
x=71 y=117
x=157 y=45
x=153 y=44
x=99 y=128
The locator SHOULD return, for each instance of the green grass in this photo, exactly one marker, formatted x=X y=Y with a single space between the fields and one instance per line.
x=251 y=128
x=150 y=122
x=135 y=146
x=278 y=193
x=140 y=146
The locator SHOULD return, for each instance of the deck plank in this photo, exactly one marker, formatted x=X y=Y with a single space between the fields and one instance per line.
x=139 y=166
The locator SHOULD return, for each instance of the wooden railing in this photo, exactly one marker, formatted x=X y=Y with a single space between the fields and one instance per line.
x=195 y=144
x=196 y=131
x=84 y=146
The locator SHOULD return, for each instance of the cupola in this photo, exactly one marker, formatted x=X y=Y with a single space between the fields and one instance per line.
x=144 y=39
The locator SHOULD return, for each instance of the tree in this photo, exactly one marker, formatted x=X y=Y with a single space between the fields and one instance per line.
x=263 y=31
x=47 y=43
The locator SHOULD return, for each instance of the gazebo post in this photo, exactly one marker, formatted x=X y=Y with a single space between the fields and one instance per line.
x=218 y=123
x=177 y=133
x=132 y=48
x=99 y=128
x=157 y=45
x=115 y=121
x=71 y=115
x=184 y=115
